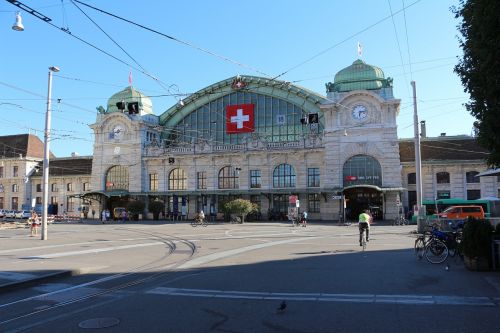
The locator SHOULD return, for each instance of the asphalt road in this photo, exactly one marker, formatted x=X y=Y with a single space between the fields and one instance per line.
x=232 y=278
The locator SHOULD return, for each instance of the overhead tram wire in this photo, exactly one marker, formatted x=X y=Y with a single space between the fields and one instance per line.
x=162 y=84
x=48 y=21
x=399 y=45
x=407 y=41
x=343 y=41
x=178 y=40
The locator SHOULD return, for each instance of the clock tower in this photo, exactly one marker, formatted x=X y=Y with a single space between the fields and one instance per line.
x=361 y=144
x=121 y=130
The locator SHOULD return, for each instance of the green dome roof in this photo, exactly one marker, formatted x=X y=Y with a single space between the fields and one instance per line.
x=129 y=95
x=359 y=76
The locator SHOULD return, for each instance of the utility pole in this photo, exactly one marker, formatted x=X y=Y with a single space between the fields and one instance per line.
x=418 y=162
x=46 y=155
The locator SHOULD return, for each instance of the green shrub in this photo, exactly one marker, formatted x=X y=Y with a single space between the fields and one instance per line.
x=476 y=238
x=135 y=208
x=156 y=207
x=240 y=207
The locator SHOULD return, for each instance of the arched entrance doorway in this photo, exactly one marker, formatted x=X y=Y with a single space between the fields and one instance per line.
x=359 y=198
x=362 y=177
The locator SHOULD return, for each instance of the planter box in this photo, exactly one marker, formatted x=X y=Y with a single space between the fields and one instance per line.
x=477 y=264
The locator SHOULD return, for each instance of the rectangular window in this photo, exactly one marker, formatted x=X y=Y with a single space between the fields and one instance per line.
x=53 y=200
x=201 y=180
x=54 y=187
x=443 y=194
x=1 y=203
x=15 y=171
x=313 y=201
x=313 y=177
x=14 y=188
x=153 y=182
x=1 y=171
x=255 y=179
x=70 y=204
x=69 y=187
x=14 y=203
x=473 y=194
x=38 y=200
x=39 y=187
x=86 y=186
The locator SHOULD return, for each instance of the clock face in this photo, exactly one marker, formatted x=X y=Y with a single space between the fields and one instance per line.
x=118 y=131
x=359 y=112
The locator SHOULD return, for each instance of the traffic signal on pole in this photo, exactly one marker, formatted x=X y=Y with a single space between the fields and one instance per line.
x=120 y=105
x=133 y=107
x=313 y=118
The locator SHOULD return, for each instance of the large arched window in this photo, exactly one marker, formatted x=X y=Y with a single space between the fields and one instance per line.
x=274 y=118
x=284 y=176
x=117 y=178
x=443 y=177
x=362 y=170
x=228 y=178
x=177 y=179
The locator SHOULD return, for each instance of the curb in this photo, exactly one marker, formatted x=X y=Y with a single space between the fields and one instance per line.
x=11 y=286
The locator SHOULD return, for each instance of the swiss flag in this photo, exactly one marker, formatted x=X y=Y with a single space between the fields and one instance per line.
x=239 y=118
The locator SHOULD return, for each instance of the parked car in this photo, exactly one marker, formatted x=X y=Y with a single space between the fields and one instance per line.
x=2 y=213
x=462 y=212
x=10 y=214
x=22 y=214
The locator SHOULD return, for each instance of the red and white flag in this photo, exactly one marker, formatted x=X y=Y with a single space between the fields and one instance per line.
x=239 y=118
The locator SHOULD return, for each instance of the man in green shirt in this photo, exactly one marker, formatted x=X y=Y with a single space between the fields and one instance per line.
x=364 y=224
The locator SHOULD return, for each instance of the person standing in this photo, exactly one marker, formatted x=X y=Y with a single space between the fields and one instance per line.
x=364 y=225
x=304 y=218
x=34 y=224
x=103 y=216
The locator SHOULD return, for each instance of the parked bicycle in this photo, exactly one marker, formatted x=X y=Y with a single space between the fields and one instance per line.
x=437 y=245
x=400 y=220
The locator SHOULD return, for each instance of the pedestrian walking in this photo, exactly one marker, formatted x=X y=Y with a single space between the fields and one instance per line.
x=103 y=216
x=304 y=218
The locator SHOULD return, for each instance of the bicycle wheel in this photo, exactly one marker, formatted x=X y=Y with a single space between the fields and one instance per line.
x=420 y=247
x=436 y=251
x=194 y=223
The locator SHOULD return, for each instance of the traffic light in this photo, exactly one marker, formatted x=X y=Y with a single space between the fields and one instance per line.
x=313 y=118
x=120 y=105
x=133 y=107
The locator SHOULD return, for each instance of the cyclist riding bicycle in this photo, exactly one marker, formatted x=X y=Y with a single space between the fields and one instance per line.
x=365 y=219
x=201 y=217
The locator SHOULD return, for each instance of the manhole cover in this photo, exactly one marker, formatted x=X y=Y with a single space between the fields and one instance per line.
x=99 y=323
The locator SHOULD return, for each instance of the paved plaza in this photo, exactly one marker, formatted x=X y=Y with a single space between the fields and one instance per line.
x=232 y=278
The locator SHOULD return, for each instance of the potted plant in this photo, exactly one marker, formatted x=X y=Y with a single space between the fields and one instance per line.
x=476 y=244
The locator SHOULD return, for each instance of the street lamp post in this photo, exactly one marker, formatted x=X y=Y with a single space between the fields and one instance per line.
x=46 y=153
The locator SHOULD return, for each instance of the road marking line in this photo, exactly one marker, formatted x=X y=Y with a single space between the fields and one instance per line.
x=321 y=297
x=105 y=249
x=224 y=254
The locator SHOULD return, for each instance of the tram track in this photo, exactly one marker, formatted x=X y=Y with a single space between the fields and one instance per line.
x=112 y=283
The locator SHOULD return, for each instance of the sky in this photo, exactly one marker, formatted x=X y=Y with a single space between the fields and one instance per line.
x=204 y=42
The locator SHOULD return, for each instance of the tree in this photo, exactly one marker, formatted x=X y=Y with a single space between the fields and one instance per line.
x=135 y=207
x=240 y=207
x=479 y=69
x=156 y=207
